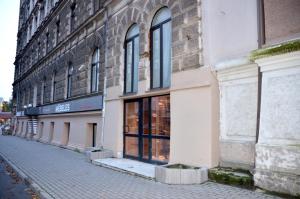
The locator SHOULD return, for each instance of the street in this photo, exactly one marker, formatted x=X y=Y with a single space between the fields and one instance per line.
x=11 y=186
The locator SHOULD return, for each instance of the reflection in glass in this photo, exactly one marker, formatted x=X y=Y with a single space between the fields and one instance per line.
x=131 y=146
x=132 y=119
x=161 y=115
x=136 y=63
x=146 y=116
x=156 y=59
x=147 y=128
x=167 y=54
x=132 y=59
x=161 y=16
x=160 y=150
x=145 y=148
x=128 y=67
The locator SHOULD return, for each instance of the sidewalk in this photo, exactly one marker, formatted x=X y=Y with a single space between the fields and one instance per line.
x=65 y=174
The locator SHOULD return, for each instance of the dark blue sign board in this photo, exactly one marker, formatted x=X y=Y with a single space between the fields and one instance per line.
x=76 y=105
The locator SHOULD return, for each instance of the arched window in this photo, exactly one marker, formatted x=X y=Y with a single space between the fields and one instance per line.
x=53 y=86
x=43 y=92
x=95 y=71
x=69 y=80
x=161 y=48
x=72 y=17
x=131 y=59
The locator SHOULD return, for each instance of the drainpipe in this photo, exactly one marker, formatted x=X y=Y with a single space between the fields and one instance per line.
x=104 y=89
x=261 y=40
x=258 y=104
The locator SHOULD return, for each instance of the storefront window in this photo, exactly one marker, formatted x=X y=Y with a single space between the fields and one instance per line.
x=160 y=115
x=132 y=118
x=147 y=129
x=160 y=150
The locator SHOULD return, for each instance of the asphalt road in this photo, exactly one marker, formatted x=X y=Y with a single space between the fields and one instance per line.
x=11 y=186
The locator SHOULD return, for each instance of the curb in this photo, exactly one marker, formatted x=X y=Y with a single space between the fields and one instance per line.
x=34 y=186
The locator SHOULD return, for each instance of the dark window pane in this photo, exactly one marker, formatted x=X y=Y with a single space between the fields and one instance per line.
x=95 y=70
x=146 y=116
x=146 y=148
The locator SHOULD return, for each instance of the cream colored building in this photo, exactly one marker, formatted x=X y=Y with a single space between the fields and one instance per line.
x=168 y=82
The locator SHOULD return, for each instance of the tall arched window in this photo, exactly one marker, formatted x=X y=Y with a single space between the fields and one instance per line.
x=53 y=86
x=131 y=59
x=43 y=92
x=69 y=80
x=161 y=48
x=95 y=71
x=72 y=17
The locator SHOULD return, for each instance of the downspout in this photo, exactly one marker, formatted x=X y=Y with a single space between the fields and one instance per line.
x=258 y=104
x=104 y=86
x=261 y=40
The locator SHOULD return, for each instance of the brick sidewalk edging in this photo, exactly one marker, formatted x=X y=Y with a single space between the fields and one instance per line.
x=35 y=187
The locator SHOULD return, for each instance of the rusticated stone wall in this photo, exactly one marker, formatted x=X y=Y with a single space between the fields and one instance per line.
x=186 y=31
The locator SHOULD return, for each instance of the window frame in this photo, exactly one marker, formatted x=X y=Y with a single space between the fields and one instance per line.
x=132 y=40
x=69 y=80
x=43 y=93
x=140 y=135
x=72 y=16
x=153 y=28
x=97 y=65
x=53 y=86
x=57 y=31
x=47 y=43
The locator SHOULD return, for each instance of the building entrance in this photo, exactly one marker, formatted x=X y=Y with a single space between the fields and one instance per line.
x=147 y=129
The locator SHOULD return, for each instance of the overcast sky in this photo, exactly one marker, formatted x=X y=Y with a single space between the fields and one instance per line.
x=9 y=14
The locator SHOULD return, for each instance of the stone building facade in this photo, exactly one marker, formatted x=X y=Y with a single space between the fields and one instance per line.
x=164 y=81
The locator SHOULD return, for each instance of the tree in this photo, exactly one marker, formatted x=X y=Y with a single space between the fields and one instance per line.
x=6 y=106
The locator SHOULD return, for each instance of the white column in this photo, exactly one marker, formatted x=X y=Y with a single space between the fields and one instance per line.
x=278 y=151
x=238 y=113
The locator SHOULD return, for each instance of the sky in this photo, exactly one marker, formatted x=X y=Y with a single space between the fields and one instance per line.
x=9 y=14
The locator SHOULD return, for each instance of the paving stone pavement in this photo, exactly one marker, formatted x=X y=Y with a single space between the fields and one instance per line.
x=65 y=174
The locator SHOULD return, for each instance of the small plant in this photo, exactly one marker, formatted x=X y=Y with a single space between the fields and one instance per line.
x=237 y=177
x=275 y=50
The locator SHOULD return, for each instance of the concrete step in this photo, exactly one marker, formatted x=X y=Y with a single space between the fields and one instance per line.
x=133 y=167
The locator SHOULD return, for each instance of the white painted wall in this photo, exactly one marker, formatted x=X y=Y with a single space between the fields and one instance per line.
x=229 y=29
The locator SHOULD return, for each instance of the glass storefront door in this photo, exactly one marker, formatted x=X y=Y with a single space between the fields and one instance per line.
x=147 y=129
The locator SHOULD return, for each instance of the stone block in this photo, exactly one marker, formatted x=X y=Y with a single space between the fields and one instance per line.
x=98 y=154
x=191 y=62
x=180 y=174
x=237 y=154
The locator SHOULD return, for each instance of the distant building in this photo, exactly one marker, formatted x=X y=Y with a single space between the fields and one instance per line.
x=197 y=82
